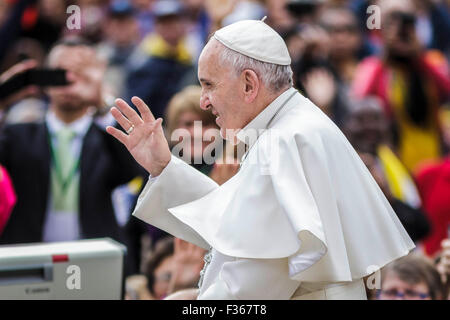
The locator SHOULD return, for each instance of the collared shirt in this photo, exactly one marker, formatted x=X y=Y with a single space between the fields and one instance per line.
x=64 y=226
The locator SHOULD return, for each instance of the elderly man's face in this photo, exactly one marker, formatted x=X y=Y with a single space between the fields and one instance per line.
x=222 y=91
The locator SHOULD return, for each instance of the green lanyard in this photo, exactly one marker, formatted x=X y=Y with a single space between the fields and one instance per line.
x=64 y=183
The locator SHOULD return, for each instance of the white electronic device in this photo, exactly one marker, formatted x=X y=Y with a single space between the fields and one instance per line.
x=84 y=269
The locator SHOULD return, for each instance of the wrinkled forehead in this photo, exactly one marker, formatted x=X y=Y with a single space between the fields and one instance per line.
x=209 y=52
x=208 y=62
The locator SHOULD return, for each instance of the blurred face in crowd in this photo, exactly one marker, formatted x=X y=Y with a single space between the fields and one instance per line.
x=171 y=28
x=279 y=16
x=53 y=10
x=198 y=143
x=84 y=73
x=162 y=276
x=222 y=90
x=342 y=27
x=366 y=126
x=398 y=28
x=376 y=171
x=122 y=31
x=394 y=288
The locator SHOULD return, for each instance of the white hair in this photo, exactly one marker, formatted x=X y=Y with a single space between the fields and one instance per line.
x=275 y=77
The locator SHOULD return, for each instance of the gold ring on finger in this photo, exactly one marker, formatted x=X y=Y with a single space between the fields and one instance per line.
x=131 y=129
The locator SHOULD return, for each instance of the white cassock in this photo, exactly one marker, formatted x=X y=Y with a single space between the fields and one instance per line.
x=302 y=219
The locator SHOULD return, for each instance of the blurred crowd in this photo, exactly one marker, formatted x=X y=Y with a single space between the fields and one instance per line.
x=381 y=75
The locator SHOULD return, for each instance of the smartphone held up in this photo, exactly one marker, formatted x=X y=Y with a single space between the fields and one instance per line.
x=33 y=77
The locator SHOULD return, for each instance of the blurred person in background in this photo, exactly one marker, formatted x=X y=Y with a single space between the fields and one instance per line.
x=174 y=265
x=188 y=262
x=412 y=277
x=144 y=16
x=24 y=49
x=33 y=106
x=368 y=130
x=41 y=20
x=443 y=266
x=313 y=72
x=158 y=268
x=204 y=141
x=26 y=105
x=65 y=168
x=121 y=36
x=433 y=182
x=161 y=60
x=346 y=46
x=304 y=11
x=279 y=17
x=413 y=219
x=433 y=25
x=8 y=198
x=183 y=114
x=199 y=24
x=412 y=83
x=246 y=10
x=91 y=15
x=218 y=10
x=323 y=66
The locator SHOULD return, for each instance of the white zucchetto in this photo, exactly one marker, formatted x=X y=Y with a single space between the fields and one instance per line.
x=255 y=39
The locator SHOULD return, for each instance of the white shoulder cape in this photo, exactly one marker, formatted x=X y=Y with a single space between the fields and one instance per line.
x=319 y=197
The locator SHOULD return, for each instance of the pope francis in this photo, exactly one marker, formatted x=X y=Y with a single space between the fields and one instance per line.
x=302 y=218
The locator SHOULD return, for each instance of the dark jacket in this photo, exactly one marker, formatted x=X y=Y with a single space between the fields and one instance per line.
x=413 y=220
x=104 y=165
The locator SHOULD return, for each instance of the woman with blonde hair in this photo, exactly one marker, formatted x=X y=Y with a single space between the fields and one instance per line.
x=190 y=130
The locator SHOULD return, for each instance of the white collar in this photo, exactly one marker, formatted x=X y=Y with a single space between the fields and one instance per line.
x=250 y=133
x=79 y=126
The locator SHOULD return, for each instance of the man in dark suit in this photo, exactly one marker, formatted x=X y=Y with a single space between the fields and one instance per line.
x=65 y=168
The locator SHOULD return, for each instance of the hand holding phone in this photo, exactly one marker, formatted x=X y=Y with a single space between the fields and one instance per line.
x=24 y=77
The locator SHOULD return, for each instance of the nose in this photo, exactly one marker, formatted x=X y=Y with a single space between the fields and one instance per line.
x=204 y=102
x=70 y=76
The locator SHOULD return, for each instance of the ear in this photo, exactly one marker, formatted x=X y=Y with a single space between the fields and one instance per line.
x=251 y=85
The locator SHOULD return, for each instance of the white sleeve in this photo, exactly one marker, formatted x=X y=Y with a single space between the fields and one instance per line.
x=252 y=279
x=177 y=184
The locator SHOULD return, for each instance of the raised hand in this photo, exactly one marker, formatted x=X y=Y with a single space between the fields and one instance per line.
x=145 y=138
x=187 y=264
x=22 y=93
